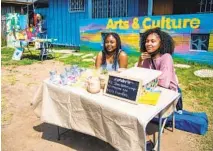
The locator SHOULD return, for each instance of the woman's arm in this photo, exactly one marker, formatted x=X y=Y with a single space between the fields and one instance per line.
x=123 y=60
x=98 y=60
x=167 y=79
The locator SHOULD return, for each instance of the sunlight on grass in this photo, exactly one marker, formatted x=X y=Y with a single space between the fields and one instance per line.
x=78 y=60
x=27 y=58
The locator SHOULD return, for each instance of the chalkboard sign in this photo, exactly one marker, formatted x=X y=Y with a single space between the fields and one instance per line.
x=123 y=88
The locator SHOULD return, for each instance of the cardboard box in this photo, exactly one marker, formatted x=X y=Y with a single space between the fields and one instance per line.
x=149 y=78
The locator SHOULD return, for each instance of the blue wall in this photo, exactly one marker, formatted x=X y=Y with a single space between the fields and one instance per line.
x=61 y=24
x=132 y=8
x=64 y=26
x=44 y=12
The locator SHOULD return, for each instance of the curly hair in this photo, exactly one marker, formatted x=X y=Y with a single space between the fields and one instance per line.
x=166 y=43
x=116 y=54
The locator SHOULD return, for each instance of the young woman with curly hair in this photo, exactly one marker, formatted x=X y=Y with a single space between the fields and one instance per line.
x=157 y=48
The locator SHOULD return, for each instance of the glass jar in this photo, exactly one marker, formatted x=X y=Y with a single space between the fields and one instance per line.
x=102 y=80
x=93 y=85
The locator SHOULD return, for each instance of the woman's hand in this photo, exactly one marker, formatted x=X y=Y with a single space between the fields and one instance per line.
x=144 y=56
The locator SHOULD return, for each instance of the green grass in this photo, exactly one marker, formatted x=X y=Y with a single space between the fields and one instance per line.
x=27 y=58
x=7 y=53
x=62 y=47
x=198 y=97
x=78 y=60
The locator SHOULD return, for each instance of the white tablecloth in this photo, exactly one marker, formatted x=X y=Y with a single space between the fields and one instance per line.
x=117 y=122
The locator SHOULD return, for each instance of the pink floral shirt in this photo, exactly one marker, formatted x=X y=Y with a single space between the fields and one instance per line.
x=164 y=63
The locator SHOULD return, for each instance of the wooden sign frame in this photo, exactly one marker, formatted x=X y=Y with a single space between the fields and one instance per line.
x=126 y=78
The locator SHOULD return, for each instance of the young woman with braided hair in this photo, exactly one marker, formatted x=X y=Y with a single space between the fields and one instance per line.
x=112 y=57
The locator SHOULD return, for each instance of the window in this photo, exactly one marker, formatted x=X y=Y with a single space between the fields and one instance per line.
x=76 y=5
x=109 y=8
x=206 y=6
x=199 y=42
x=192 y=7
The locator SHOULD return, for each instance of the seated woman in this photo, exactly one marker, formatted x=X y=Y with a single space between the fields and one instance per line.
x=112 y=57
x=157 y=48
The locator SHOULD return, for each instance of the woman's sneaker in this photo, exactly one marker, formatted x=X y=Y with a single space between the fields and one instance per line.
x=149 y=145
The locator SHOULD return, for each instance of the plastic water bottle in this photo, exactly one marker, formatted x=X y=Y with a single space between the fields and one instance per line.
x=64 y=79
x=53 y=75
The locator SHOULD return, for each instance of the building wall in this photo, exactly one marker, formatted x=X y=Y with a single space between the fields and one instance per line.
x=64 y=26
x=132 y=7
x=45 y=18
x=15 y=25
x=193 y=34
x=143 y=8
x=10 y=8
x=7 y=8
x=61 y=24
x=162 y=7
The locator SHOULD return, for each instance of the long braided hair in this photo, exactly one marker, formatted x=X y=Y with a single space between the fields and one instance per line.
x=116 y=51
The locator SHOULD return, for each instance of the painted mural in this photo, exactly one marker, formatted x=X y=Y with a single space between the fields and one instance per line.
x=18 y=29
x=15 y=25
x=19 y=33
x=193 y=34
